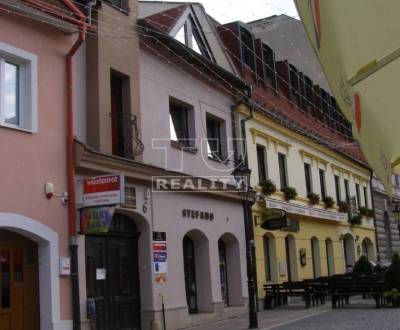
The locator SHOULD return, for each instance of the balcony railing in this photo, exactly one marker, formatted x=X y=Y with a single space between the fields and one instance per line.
x=126 y=140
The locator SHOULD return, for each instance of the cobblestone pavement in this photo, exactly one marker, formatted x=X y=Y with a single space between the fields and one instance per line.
x=359 y=315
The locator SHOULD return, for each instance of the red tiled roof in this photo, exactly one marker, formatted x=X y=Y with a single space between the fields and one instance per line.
x=294 y=117
x=166 y=20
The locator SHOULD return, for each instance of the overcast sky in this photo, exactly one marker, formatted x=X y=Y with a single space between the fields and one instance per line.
x=232 y=10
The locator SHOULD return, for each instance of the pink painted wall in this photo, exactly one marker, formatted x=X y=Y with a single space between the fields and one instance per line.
x=28 y=160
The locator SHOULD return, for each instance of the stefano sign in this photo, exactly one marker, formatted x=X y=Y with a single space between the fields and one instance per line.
x=103 y=190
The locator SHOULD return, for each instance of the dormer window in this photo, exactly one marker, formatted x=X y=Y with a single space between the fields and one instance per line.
x=294 y=81
x=269 y=64
x=247 y=48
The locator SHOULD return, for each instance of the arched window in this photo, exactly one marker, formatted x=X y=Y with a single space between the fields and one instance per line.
x=330 y=257
x=316 y=258
x=230 y=270
x=349 y=251
x=291 y=261
x=368 y=249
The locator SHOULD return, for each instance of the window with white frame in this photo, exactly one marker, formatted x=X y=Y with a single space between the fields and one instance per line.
x=18 y=88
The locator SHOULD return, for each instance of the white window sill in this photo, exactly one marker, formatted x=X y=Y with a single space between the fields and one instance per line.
x=17 y=128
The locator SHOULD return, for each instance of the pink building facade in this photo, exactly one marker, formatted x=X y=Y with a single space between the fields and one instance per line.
x=34 y=43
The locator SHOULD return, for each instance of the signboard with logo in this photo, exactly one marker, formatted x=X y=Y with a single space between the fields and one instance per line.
x=160 y=255
x=103 y=190
x=95 y=220
x=275 y=219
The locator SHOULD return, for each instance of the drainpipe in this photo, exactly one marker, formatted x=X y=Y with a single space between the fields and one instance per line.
x=73 y=246
x=373 y=207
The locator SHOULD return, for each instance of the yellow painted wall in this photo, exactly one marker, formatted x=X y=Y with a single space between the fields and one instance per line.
x=299 y=149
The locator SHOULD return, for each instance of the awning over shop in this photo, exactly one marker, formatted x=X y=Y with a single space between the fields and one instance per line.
x=358 y=45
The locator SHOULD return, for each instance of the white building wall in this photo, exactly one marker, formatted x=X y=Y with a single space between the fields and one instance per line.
x=159 y=82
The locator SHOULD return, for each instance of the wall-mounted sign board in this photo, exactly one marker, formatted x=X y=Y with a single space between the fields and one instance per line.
x=103 y=190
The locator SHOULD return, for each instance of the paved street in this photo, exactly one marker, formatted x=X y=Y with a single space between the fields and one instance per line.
x=359 y=315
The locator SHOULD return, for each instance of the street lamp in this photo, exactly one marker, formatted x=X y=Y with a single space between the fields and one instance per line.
x=242 y=174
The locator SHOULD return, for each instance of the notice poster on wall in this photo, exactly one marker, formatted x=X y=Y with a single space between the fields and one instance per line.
x=160 y=255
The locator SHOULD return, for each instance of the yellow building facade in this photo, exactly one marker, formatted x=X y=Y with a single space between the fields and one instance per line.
x=321 y=241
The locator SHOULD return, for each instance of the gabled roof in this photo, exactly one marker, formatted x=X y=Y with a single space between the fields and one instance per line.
x=166 y=20
x=172 y=17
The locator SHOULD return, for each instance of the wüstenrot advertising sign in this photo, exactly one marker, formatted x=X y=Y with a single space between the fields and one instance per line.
x=103 y=190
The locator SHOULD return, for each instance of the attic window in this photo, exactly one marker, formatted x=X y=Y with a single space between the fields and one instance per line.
x=269 y=64
x=189 y=35
x=294 y=81
x=247 y=48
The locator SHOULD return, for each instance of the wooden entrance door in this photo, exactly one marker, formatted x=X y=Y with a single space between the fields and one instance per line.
x=19 y=298
x=112 y=276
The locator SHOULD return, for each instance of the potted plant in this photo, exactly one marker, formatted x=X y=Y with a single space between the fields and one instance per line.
x=328 y=201
x=344 y=207
x=268 y=187
x=356 y=219
x=313 y=198
x=289 y=193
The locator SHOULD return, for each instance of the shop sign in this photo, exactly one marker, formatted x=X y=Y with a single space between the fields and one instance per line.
x=305 y=210
x=103 y=190
x=194 y=214
x=275 y=219
x=292 y=226
x=160 y=256
x=96 y=220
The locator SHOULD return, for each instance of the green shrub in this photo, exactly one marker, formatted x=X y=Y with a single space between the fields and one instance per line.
x=289 y=193
x=268 y=187
x=328 y=201
x=392 y=275
x=313 y=197
x=363 y=266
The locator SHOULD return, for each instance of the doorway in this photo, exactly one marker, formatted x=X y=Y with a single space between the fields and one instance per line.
x=223 y=272
x=112 y=276
x=190 y=274
x=19 y=282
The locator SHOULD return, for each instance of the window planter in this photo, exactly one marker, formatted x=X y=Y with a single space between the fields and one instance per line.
x=289 y=193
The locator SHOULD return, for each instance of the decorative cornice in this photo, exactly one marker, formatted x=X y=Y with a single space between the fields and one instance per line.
x=269 y=139
x=313 y=158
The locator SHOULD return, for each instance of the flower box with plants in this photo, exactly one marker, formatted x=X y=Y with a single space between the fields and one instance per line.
x=268 y=187
x=366 y=212
x=328 y=201
x=344 y=207
x=356 y=219
x=313 y=198
x=289 y=193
